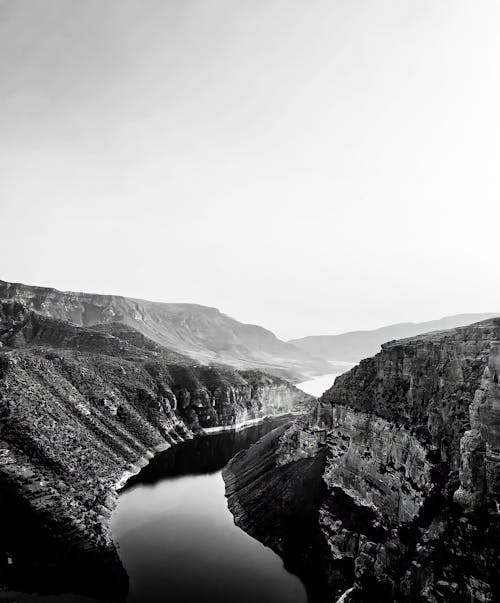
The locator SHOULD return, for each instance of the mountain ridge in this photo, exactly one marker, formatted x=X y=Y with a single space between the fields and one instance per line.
x=203 y=333
x=362 y=343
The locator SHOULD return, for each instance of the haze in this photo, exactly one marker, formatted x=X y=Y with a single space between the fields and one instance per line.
x=313 y=167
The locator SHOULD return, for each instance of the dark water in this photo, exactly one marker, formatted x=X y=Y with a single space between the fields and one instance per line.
x=176 y=536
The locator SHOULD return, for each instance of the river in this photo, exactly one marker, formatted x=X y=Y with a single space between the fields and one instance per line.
x=176 y=537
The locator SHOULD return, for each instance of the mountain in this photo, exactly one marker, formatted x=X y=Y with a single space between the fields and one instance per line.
x=81 y=409
x=356 y=345
x=389 y=490
x=202 y=333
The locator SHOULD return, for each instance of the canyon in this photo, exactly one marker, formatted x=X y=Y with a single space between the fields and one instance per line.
x=177 y=539
x=83 y=408
x=389 y=489
x=386 y=488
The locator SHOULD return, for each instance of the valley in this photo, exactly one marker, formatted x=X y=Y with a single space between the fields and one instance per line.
x=376 y=479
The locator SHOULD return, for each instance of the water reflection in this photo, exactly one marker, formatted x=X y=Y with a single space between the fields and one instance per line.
x=204 y=454
x=176 y=536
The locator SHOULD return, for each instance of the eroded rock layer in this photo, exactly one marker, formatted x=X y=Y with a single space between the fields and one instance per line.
x=412 y=471
x=83 y=408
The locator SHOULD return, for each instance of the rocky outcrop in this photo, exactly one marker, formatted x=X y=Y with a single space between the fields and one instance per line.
x=411 y=438
x=204 y=334
x=82 y=409
x=278 y=505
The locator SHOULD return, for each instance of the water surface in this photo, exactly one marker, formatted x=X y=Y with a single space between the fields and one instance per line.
x=318 y=385
x=177 y=538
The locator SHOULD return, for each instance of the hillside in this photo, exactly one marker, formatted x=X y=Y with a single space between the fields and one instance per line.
x=356 y=345
x=202 y=333
x=81 y=409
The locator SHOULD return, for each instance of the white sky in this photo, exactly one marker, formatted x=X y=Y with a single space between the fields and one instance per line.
x=310 y=166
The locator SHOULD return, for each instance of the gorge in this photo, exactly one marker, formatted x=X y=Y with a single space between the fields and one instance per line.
x=386 y=488
x=177 y=539
x=82 y=408
x=176 y=536
x=249 y=318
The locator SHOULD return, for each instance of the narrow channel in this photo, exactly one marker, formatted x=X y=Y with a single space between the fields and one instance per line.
x=176 y=537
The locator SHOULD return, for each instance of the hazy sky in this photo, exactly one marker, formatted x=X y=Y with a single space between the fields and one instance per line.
x=310 y=166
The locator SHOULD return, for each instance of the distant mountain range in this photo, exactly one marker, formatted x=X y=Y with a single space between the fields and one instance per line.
x=202 y=333
x=356 y=345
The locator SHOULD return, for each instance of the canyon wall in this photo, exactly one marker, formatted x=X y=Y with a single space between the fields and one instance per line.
x=411 y=445
x=83 y=408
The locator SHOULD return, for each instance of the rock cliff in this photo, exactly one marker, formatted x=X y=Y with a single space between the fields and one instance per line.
x=81 y=409
x=411 y=445
x=202 y=333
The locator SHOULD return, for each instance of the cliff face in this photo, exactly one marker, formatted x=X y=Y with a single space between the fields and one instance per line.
x=202 y=333
x=411 y=437
x=83 y=408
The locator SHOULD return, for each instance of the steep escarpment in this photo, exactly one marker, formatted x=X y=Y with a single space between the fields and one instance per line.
x=411 y=439
x=279 y=504
x=202 y=333
x=83 y=408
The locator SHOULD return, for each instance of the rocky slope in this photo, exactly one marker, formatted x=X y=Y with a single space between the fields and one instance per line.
x=83 y=408
x=357 y=345
x=409 y=447
x=202 y=333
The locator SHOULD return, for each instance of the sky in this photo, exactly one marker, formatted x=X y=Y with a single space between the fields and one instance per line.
x=310 y=166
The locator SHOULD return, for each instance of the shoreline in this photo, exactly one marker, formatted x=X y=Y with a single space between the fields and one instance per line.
x=204 y=431
x=247 y=423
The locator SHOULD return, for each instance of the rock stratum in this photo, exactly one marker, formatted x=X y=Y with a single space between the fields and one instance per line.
x=82 y=408
x=392 y=481
x=199 y=332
